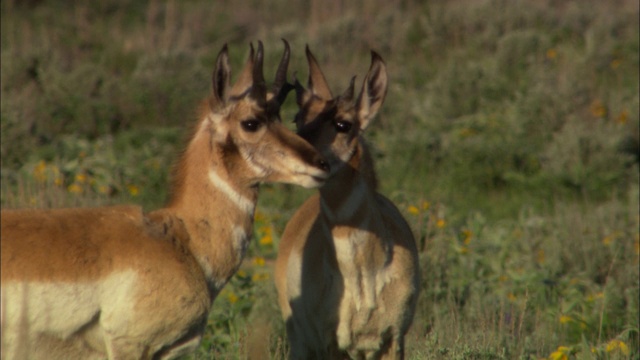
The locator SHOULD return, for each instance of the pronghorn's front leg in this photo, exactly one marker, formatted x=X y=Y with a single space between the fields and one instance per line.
x=394 y=350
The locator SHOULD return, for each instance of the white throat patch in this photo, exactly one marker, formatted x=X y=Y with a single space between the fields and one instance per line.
x=243 y=203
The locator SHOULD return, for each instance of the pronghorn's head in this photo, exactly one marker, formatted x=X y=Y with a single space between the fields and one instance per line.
x=244 y=122
x=333 y=125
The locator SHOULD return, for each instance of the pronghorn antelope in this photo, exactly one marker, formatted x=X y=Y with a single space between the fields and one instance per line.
x=347 y=267
x=117 y=283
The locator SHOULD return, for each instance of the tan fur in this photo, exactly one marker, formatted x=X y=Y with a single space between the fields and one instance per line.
x=117 y=283
x=347 y=268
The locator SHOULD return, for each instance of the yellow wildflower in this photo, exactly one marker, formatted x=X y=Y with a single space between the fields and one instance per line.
x=413 y=210
x=103 y=189
x=58 y=181
x=540 y=256
x=552 y=53
x=467 y=236
x=259 y=216
x=617 y=345
x=594 y=297
x=81 y=178
x=233 y=298
x=562 y=353
x=615 y=63
x=564 y=319
x=260 y=277
x=74 y=188
x=623 y=348
x=266 y=240
x=133 y=190
x=40 y=171
x=440 y=223
x=425 y=205
x=242 y=273
x=467 y=132
x=259 y=260
x=512 y=297
x=623 y=117
x=598 y=109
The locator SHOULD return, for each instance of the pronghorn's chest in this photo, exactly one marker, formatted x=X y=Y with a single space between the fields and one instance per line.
x=219 y=248
x=368 y=298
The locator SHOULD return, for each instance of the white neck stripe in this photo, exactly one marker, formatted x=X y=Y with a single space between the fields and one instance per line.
x=243 y=203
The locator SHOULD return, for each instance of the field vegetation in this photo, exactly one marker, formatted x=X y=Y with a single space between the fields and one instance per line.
x=509 y=139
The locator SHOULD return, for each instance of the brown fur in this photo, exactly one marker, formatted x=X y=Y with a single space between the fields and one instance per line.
x=117 y=283
x=347 y=268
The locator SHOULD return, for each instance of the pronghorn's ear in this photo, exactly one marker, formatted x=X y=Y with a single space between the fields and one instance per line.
x=374 y=90
x=245 y=80
x=302 y=95
x=221 y=75
x=317 y=83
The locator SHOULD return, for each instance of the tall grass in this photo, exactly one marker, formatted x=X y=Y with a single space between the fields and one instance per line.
x=509 y=138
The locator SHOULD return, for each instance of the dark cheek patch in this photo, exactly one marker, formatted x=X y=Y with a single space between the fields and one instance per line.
x=230 y=153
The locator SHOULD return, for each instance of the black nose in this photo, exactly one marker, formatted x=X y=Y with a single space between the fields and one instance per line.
x=322 y=164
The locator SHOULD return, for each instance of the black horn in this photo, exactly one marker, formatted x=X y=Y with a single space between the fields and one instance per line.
x=281 y=86
x=259 y=87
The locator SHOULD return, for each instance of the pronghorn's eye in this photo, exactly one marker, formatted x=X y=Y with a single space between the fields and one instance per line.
x=250 y=125
x=342 y=126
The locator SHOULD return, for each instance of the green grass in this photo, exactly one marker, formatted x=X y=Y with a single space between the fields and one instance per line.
x=509 y=139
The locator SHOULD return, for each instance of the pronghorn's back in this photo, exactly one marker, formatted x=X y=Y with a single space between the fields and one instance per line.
x=347 y=269
x=75 y=250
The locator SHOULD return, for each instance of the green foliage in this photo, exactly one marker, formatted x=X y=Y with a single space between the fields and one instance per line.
x=509 y=137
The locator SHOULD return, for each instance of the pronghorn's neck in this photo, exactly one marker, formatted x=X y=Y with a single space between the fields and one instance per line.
x=349 y=195
x=215 y=204
x=353 y=221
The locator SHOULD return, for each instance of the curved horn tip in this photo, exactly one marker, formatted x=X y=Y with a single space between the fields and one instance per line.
x=286 y=44
x=260 y=52
x=287 y=52
x=281 y=73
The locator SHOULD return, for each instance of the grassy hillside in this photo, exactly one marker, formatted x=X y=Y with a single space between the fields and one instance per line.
x=509 y=139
